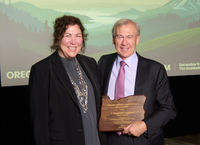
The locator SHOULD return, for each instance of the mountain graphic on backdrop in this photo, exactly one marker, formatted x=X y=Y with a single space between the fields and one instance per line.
x=46 y=14
x=131 y=13
x=183 y=7
x=183 y=4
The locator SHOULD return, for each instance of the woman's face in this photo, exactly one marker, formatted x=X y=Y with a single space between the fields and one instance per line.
x=71 y=42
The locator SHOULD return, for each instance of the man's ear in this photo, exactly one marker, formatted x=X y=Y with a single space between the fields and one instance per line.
x=137 y=40
x=113 y=41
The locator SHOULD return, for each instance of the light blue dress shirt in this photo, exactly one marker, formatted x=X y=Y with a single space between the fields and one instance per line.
x=130 y=76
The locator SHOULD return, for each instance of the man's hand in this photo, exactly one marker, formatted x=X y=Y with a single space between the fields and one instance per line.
x=136 y=128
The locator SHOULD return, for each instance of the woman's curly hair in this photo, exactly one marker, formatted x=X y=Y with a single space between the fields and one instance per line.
x=60 y=26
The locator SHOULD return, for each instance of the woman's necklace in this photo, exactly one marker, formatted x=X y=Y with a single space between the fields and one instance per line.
x=82 y=94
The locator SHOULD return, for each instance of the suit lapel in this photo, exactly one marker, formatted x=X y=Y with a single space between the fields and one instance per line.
x=58 y=68
x=140 y=76
x=108 y=70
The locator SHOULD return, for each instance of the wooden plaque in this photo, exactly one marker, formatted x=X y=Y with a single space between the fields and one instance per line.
x=117 y=114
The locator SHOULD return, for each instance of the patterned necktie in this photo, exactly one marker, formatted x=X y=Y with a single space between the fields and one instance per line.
x=119 y=87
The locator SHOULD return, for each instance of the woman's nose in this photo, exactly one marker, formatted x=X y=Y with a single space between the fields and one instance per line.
x=73 y=40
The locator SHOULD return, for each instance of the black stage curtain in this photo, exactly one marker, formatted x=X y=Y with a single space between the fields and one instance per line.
x=15 y=120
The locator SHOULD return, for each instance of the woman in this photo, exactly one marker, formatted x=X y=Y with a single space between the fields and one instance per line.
x=65 y=91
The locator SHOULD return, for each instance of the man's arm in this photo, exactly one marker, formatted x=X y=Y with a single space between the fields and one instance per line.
x=164 y=112
x=136 y=128
x=164 y=102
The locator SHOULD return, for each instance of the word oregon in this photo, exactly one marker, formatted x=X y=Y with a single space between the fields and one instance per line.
x=17 y=74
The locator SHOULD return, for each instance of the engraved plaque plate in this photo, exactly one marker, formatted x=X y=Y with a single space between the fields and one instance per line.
x=117 y=114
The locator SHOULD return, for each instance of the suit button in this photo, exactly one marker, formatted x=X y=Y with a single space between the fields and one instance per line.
x=80 y=129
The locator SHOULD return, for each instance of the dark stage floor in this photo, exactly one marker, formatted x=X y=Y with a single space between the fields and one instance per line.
x=183 y=140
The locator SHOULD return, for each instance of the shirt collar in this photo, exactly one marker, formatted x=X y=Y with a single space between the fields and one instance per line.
x=130 y=61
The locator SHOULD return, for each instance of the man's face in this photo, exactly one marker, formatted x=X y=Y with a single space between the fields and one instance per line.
x=125 y=40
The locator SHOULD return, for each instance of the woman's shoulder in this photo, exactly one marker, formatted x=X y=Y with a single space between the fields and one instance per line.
x=44 y=63
x=86 y=58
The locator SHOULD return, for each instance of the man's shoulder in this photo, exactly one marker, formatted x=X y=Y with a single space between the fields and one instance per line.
x=149 y=61
x=108 y=56
x=151 y=64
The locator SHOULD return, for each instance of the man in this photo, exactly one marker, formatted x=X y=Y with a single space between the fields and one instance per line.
x=142 y=76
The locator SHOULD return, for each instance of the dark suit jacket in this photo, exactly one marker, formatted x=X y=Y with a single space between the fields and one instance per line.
x=152 y=81
x=55 y=113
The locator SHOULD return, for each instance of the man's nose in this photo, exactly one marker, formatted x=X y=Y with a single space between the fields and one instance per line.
x=124 y=41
